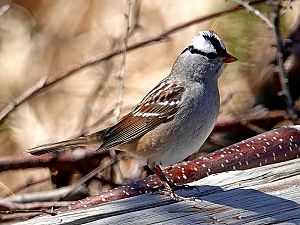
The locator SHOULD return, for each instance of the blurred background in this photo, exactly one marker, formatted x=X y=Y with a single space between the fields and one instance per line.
x=43 y=39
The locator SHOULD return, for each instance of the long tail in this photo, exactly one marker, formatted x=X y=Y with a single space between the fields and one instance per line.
x=92 y=139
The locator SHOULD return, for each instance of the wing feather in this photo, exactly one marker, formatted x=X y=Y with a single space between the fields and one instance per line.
x=159 y=106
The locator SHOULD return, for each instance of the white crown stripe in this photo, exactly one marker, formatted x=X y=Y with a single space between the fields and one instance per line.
x=203 y=44
x=212 y=34
x=200 y=43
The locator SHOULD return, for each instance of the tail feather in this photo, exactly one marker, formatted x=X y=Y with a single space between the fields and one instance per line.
x=84 y=141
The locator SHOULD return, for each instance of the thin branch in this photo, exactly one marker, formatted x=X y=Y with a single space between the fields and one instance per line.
x=25 y=185
x=44 y=196
x=101 y=119
x=135 y=19
x=90 y=175
x=5 y=189
x=285 y=90
x=68 y=159
x=87 y=109
x=255 y=12
x=120 y=76
x=5 y=6
x=287 y=5
x=265 y=119
x=32 y=205
x=25 y=96
x=11 y=216
x=228 y=97
x=253 y=127
x=71 y=72
x=120 y=86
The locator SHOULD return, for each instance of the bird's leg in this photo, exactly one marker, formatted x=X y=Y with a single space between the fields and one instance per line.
x=174 y=186
x=168 y=185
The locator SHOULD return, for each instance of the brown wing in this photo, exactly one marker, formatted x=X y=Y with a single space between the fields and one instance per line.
x=159 y=106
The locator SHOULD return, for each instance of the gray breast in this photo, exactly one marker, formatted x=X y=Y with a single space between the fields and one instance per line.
x=190 y=127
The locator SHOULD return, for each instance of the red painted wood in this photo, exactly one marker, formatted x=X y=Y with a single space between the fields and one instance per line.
x=271 y=147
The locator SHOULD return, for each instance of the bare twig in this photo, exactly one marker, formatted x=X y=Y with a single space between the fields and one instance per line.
x=108 y=67
x=120 y=76
x=51 y=195
x=28 y=184
x=71 y=72
x=32 y=205
x=92 y=99
x=255 y=12
x=253 y=127
x=6 y=189
x=285 y=6
x=104 y=116
x=99 y=121
x=136 y=5
x=5 y=6
x=136 y=12
x=68 y=159
x=91 y=174
x=33 y=90
x=285 y=90
x=120 y=86
x=227 y=98
x=265 y=119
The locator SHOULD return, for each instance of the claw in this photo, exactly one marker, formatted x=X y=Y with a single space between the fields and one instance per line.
x=175 y=196
x=169 y=187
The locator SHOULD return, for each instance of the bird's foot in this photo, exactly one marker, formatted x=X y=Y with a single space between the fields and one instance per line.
x=170 y=187
x=175 y=196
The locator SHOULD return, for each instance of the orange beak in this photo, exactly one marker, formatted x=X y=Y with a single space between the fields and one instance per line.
x=229 y=58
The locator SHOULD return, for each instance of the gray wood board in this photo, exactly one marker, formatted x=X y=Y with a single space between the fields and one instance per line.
x=264 y=195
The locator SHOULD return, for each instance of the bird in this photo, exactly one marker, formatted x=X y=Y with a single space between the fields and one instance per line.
x=174 y=119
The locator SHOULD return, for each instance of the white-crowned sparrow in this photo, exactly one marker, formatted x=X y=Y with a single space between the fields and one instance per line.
x=174 y=118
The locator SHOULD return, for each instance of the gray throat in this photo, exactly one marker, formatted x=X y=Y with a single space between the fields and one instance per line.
x=195 y=67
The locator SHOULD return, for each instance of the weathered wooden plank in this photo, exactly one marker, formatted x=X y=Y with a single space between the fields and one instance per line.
x=264 y=195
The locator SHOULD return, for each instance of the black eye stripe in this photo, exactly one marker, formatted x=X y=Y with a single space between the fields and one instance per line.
x=193 y=50
x=216 y=43
x=209 y=55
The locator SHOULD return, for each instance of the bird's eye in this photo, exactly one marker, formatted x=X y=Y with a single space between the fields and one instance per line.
x=191 y=49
